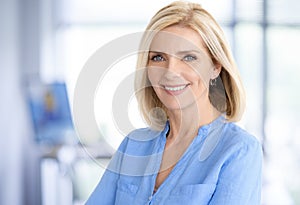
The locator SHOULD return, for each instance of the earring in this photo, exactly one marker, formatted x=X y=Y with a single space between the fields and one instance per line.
x=213 y=82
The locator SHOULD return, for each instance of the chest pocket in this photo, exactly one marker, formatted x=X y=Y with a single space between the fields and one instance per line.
x=195 y=194
x=125 y=193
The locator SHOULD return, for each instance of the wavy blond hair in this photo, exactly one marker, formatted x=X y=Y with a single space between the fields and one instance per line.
x=230 y=99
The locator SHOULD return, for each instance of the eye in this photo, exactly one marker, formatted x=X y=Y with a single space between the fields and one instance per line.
x=157 y=58
x=189 y=58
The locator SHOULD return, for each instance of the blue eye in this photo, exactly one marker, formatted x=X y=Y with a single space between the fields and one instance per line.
x=189 y=58
x=157 y=58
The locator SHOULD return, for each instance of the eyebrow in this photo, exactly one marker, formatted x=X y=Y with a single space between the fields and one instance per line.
x=179 y=52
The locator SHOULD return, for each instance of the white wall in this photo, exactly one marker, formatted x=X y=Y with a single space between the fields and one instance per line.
x=18 y=154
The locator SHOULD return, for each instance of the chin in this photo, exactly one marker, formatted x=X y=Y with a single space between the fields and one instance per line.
x=179 y=106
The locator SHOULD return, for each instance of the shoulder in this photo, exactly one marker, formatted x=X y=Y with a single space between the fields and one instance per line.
x=226 y=140
x=235 y=134
x=238 y=141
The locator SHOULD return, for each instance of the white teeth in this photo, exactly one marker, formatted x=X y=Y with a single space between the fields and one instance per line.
x=175 y=88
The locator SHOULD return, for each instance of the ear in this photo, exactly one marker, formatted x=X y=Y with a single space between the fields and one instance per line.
x=216 y=71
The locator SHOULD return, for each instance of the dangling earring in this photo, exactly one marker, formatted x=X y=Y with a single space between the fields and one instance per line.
x=213 y=82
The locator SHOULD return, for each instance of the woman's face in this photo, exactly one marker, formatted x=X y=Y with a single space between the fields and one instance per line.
x=179 y=67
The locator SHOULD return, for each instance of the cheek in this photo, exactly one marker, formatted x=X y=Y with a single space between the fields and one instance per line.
x=154 y=75
x=202 y=70
x=201 y=75
x=195 y=77
x=200 y=83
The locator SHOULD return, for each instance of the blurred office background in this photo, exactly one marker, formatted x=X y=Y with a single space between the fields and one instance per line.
x=45 y=43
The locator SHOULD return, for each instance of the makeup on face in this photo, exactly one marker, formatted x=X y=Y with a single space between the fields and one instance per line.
x=178 y=65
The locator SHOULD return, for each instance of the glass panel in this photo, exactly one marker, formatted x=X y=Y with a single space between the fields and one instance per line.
x=86 y=175
x=77 y=44
x=228 y=35
x=283 y=131
x=78 y=38
x=222 y=10
x=111 y=122
x=249 y=60
x=249 y=10
x=284 y=11
x=91 y=11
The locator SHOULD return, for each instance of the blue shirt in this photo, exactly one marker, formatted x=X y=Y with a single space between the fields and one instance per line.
x=222 y=166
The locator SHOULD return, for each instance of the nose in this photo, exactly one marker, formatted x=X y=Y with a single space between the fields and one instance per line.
x=174 y=66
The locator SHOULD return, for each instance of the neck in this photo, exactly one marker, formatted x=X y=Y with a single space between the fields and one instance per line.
x=185 y=123
x=184 y=126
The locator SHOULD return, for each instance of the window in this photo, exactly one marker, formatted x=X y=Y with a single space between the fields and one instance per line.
x=264 y=36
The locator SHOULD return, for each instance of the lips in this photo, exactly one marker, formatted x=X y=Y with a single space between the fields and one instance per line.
x=175 y=89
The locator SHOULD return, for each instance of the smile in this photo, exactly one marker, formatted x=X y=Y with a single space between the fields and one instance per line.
x=177 y=88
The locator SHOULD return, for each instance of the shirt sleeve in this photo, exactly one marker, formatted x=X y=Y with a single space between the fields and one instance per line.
x=239 y=180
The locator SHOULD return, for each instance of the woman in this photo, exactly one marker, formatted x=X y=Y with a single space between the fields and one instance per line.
x=190 y=93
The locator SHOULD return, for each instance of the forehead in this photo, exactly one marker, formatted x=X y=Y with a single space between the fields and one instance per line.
x=174 y=39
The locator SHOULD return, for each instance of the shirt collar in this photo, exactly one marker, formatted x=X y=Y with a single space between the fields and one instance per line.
x=220 y=120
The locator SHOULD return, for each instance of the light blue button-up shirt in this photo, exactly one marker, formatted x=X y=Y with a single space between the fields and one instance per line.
x=222 y=166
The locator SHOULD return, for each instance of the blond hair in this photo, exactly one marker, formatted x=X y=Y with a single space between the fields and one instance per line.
x=192 y=15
